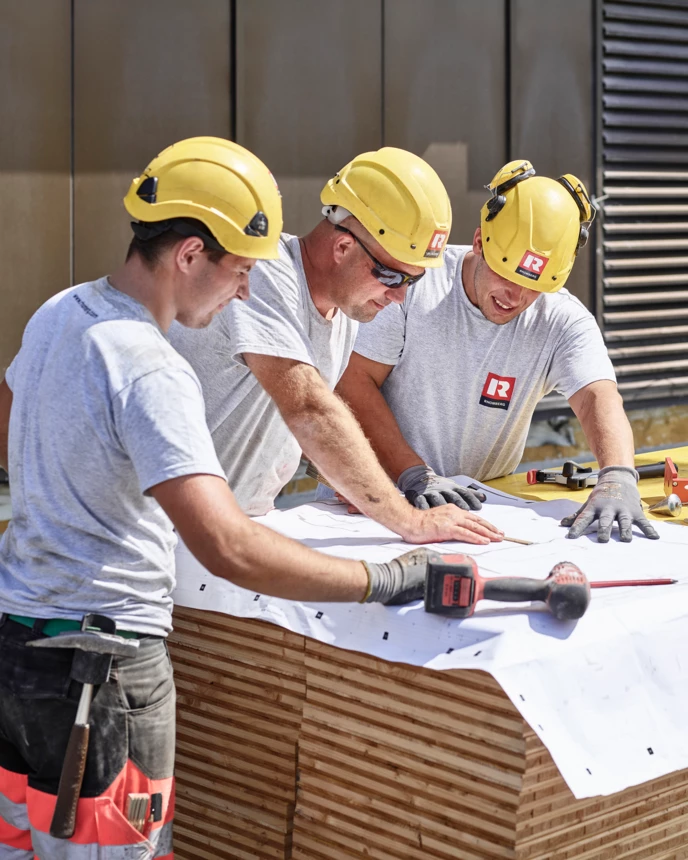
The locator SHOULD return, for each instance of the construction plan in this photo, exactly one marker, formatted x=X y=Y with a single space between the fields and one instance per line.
x=607 y=694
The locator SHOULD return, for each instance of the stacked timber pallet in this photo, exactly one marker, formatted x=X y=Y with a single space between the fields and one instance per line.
x=646 y=822
x=241 y=688
x=397 y=761
x=292 y=749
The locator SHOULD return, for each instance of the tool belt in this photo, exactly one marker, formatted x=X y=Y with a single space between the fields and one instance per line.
x=53 y=626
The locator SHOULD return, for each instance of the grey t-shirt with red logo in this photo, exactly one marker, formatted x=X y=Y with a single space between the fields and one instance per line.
x=463 y=389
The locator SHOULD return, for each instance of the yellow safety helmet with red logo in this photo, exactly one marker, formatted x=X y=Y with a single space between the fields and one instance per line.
x=533 y=227
x=400 y=201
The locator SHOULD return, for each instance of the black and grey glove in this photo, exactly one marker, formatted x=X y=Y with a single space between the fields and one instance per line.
x=424 y=489
x=615 y=497
x=401 y=580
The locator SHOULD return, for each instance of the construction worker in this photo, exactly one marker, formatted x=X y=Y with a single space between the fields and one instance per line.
x=447 y=382
x=268 y=366
x=103 y=433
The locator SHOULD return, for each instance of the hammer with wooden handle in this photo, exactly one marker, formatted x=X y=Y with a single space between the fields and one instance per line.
x=95 y=645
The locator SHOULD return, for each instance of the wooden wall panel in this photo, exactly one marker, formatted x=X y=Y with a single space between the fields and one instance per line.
x=552 y=98
x=445 y=95
x=146 y=74
x=308 y=92
x=34 y=161
x=445 y=79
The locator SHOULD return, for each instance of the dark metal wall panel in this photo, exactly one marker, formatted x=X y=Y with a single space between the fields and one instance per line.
x=552 y=99
x=309 y=82
x=445 y=79
x=34 y=161
x=643 y=267
x=146 y=74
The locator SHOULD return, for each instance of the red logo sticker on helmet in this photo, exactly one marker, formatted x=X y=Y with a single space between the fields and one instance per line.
x=532 y=265
x=437 y=242
x=497 y=391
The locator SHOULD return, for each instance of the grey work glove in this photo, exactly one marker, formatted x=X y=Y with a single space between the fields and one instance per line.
x=615 y=497
x=401 y=580
x=424 y=489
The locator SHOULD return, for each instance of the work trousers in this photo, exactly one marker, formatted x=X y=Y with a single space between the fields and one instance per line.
x=131 y=750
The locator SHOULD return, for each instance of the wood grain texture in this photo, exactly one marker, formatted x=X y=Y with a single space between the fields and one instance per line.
x=291 y=749
x=34 y=162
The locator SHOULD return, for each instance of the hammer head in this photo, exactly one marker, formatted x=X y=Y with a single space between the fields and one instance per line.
x=93 y=652
x=87 y=640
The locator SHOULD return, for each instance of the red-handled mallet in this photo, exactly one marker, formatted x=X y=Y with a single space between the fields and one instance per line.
x=453 y=586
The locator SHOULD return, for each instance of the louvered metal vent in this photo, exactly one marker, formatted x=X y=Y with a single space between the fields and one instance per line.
x=643 y=182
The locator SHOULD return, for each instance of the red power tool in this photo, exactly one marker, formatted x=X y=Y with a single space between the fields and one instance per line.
x=453 y=586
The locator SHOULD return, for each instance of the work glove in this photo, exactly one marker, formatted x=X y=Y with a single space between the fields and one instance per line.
x=401 y=580
x=424 y=489
x=615 y=497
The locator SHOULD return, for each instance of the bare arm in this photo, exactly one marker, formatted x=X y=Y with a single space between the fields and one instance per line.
x=330 y=436
x=5 y=407
x=232 y=546
x=599 y=408
x=360 y=387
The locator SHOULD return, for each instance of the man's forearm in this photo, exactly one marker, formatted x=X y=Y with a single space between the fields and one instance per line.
x=232 y=546
x=381 y=428
x=260 y=559
x=330 y=436
x=599 y=408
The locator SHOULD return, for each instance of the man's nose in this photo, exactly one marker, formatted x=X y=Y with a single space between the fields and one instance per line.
x=513 y=293
x=397 y=295
x=243 y=292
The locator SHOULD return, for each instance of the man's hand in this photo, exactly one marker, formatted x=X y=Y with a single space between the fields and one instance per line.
x=442 y=523
x=401 y=580
x=449 y=523
x=424 y=489
x=615 y=497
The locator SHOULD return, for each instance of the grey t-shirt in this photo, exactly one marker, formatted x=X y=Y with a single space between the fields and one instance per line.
x=463 y=389
x=256 y=448
x=103 y=409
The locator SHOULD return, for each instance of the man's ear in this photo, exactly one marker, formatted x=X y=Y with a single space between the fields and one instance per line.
x=342 y=246
x=478 y=242
x=186 y=253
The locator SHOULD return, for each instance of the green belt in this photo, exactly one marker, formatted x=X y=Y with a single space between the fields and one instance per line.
x=53 y=626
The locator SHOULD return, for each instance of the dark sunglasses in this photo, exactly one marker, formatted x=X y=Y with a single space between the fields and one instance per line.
x=391 y=278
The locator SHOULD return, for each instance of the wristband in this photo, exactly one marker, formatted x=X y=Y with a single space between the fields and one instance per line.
x=369 y=588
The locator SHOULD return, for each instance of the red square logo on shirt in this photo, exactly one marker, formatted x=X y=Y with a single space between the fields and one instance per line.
x=497 y=391
x=532 y=265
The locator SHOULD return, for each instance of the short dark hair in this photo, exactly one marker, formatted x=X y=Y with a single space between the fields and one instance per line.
x=151 y=248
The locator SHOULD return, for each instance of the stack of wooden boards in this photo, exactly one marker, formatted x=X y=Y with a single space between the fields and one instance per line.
x=289 y=748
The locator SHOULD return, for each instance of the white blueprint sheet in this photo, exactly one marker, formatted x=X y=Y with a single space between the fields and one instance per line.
x=607 y=695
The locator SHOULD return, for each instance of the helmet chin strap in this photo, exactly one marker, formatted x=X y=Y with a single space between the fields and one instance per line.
x=335 y=214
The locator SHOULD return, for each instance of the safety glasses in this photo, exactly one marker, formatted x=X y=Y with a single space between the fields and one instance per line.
x=391 y=278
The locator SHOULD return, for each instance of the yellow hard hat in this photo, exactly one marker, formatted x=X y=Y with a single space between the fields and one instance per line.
x=399 y=199
x=532 y=226
x=217 y=182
